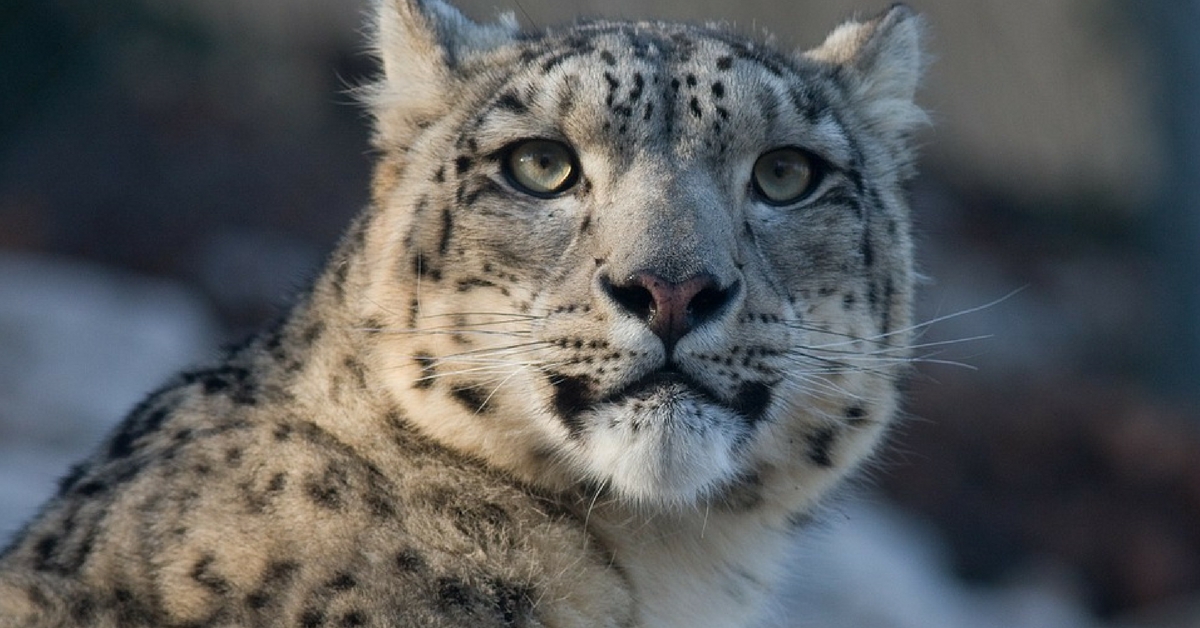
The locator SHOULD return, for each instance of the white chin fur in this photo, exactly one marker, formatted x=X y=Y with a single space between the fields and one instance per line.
x=670 y=452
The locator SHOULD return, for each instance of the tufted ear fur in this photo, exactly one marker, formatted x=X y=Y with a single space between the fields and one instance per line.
x=882 y=59
x=421 y=44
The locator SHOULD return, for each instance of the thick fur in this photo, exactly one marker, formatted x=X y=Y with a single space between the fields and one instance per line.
x=460 y=424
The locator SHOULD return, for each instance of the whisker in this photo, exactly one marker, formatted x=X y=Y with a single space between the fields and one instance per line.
x=512 y=316
x=448 y=331
x=911 y=328
x=489 y=350
x=953 y=315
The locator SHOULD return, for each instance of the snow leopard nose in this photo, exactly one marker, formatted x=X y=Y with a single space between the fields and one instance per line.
x=670 y=309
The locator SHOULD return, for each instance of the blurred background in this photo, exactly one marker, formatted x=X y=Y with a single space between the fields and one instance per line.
x=172 y=170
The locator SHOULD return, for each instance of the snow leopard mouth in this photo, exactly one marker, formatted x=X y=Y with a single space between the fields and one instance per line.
x=666 y=385
x=750 y=402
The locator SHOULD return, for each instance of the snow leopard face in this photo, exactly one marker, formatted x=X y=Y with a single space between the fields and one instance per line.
x=654 y=258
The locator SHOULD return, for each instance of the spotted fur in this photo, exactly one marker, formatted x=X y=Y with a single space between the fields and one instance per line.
x=610 y=406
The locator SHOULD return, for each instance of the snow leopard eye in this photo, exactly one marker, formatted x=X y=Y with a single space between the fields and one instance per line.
x=542 y=168
x=784 y=175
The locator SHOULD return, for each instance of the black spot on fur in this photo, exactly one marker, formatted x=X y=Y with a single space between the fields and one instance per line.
x=555 y=60
x=357 y=370
x=133 y=429
x=487 y=602
x=342 y=582
x=804 y=106
x=472 y=397
x=820 y=442
x=380 y=504
x=45 y=549
x=132 y=610
x=425 y=362
x=639 y=84
x=422 y=268
x=203 y=573
x=757 y=56
x=276 y=577
x=354 y=618
x=856 y=415
x=312 y=333
x=752 y=400
x=447 y=231
x=439 y=175
x=92 y=488
x=371 y=325
x=453 y=594
x=724 y=63
x=608 y=57
x=510 y=101
x=414 y=311
x=328 y=490
x=83 y=610
x=410 y=561
x=572 y=395
x=718 y=90
x=462 y=164
x=515 y=602
x=470 y=283
x=340 y=269
x=234 y=381
x=485 y=523
x=312 y=618
x=122 y=443
x=68 y=481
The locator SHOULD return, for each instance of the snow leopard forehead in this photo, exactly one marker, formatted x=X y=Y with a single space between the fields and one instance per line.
x=684 y=93
x=628 y=85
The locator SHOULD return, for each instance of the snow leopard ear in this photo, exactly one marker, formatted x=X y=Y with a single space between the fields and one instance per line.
x=882 y=61
x=421 y=44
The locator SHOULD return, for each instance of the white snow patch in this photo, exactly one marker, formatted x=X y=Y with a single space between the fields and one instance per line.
x=79 y=347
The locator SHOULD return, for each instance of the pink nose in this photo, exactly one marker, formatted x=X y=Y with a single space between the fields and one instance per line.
x=670 y=309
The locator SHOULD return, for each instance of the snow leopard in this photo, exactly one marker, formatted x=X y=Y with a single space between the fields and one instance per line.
x=628 y=300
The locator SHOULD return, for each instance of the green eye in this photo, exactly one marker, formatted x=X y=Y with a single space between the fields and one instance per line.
x=784 y=175
x=543 y=168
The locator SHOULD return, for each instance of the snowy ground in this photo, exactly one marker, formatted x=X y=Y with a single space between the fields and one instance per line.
x=80 y=345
